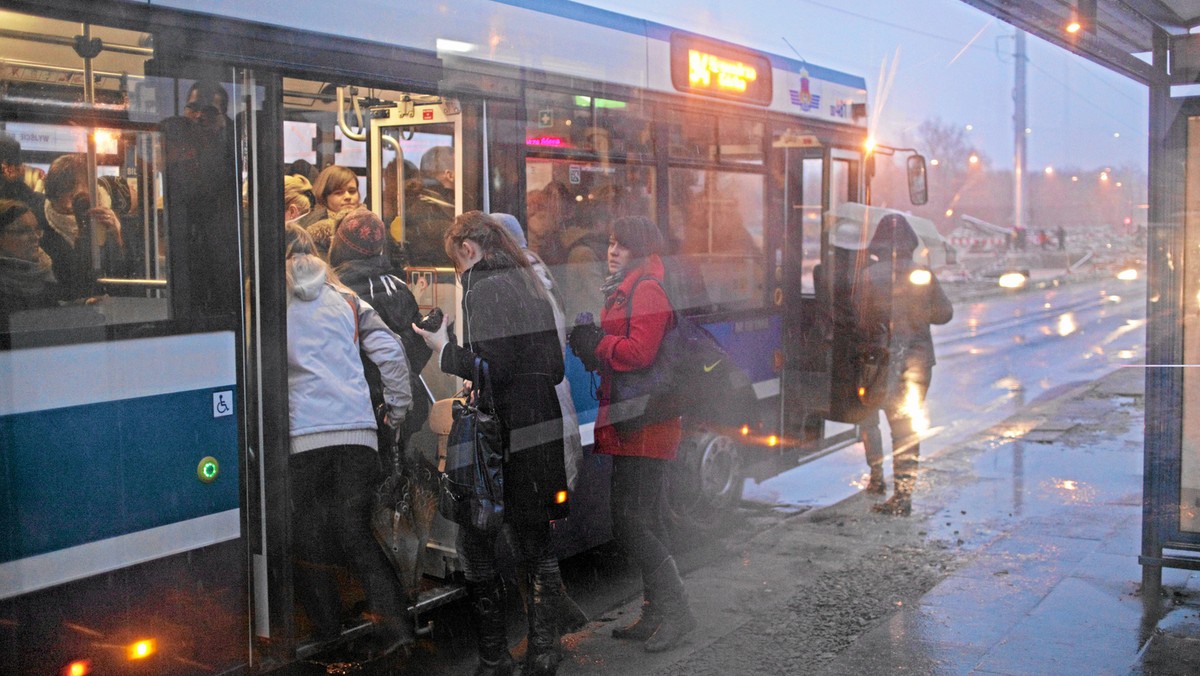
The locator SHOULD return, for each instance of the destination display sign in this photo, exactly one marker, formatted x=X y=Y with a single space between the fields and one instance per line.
x=711 y=68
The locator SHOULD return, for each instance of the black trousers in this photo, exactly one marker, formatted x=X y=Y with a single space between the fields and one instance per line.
x=332 y=491
x=636 y=498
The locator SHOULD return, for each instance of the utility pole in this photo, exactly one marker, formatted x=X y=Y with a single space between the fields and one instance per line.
x=1019 y=126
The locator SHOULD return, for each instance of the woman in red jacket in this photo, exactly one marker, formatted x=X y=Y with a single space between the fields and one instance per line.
x=636 y=316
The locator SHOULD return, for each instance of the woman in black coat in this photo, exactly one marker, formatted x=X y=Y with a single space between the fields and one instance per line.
x=508 y=322
x=358 y=256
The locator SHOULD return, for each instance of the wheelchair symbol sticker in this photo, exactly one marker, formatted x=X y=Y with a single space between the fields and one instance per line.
x=222 y=403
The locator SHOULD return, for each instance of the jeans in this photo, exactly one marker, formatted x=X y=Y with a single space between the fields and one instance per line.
x=332 y=492
x=637 y=488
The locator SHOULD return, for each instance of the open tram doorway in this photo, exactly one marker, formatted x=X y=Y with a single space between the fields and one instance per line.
x=817 y=180
x=404 y=150
x=399 y=154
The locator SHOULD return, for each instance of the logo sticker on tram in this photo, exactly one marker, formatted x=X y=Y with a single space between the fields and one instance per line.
x=426 y=114
x=222 y=403
x=804 y=97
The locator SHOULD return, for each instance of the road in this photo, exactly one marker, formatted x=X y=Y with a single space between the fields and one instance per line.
x=997 y=355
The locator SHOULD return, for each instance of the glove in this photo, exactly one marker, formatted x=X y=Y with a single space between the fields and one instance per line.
x=583 y=340
x=395 y=423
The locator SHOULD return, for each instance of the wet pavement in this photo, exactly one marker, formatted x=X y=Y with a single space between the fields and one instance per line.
x=1020 y=558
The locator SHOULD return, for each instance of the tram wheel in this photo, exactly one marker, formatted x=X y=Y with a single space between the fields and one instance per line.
x=703 y=487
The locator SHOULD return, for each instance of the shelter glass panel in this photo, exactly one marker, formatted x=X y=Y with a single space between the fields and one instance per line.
x=1189 y=489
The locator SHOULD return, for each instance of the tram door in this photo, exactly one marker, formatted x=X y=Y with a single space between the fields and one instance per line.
x=805 y=378
x=817 y=181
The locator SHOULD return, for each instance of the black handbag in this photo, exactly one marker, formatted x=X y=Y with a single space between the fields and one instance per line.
x=472 y=483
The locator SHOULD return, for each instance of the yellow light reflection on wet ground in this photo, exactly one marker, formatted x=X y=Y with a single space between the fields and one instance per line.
x=915 y=409
x=1066 y=324
x=1072 y=489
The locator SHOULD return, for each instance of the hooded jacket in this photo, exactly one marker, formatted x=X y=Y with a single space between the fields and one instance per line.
x=328 y=400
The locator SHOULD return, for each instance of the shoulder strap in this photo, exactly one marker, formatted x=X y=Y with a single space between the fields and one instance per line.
x=352 y=302
x=629 y=301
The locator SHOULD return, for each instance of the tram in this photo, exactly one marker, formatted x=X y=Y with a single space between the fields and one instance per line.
x=144 y=425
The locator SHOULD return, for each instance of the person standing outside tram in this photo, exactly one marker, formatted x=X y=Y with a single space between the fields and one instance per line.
x=509 y=324
x=633 y=324
x=334 y=465
x=900 y=300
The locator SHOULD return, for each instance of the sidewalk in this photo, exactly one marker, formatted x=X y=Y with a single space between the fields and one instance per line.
x=1020 y=558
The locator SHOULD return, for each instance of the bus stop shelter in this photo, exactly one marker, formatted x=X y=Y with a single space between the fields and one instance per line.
x=1151 y=41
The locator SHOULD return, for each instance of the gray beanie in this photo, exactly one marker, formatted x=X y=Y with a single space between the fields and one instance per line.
x=513 y=227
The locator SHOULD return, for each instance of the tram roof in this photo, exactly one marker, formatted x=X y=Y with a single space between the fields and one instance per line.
x=657 y=31
x=557 y=37
x=1122 y=35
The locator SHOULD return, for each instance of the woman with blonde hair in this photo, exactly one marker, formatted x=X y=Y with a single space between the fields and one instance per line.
x=508 y=323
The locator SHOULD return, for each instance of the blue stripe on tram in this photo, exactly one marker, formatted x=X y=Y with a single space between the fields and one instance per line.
x=82 y=474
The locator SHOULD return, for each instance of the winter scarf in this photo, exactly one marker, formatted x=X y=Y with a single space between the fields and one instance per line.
x=613 y=281
x=26 y=279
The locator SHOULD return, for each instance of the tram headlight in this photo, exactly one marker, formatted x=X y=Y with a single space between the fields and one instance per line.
x=140 y=650
x=78 y=668
x=1128 y=275
x=560 y=498
x=920 y=277
x=1012 y=280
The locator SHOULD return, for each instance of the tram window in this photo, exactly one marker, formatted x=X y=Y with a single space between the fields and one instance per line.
x=594 y=124
x=299 y=142
x=622 y=128
x=841 y=183
x=692 y=135
x=716 y=227
x=810 y=218
x=571 y=206
x=136 y=215
x=558 y=121
x=741 y=141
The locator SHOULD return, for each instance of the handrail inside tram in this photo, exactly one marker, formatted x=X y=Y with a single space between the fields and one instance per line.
x=145 y=283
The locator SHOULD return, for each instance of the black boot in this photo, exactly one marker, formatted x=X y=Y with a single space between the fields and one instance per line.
x=677 y=619
x=487 y=602
x=543 y=609
x=645 y=625
x=571 y=617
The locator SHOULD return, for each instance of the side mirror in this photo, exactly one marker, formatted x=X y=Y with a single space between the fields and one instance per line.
x=918 y=188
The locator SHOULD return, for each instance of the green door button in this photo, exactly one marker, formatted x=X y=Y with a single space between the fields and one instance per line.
x=208 y=469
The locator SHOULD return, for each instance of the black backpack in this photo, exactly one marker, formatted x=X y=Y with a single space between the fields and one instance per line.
x=692 y=377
